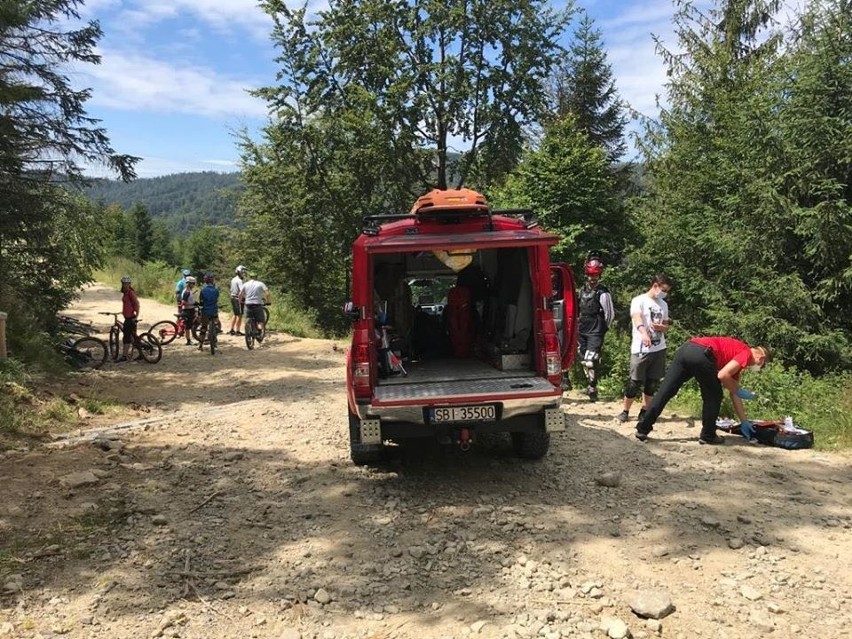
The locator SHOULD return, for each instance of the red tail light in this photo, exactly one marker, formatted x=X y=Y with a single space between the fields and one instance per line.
x=361 y=370
x=553 y=359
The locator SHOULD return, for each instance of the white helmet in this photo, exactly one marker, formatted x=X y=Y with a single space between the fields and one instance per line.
x=240 y=269
x=190 y=280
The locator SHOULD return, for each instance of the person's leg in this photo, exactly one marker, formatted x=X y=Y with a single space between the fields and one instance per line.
x=678 y=374
x=127 y=338
x=189 y=318
x=635 y=381
x=711 y=397
x=591 y=355
x=654 y=373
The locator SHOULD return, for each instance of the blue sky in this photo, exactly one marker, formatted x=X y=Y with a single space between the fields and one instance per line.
x=173 y=79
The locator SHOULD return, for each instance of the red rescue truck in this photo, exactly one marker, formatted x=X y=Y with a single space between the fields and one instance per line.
x=462 y=326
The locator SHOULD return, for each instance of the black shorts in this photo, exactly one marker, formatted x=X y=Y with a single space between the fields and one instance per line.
x=236 y=306
x=129 y=330
x=255 y=311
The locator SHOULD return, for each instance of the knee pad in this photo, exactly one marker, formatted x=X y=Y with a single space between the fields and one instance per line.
x=632 y=389
x=651 y=386
x=590 y=358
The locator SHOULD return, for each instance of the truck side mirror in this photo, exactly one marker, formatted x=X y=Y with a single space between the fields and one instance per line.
x=352 y=312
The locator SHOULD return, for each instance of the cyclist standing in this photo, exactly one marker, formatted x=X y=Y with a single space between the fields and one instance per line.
x=236 y=306
x=130 y=310
x=179 y=286
x=187 y=301
x=209 y=297
x=253 y=295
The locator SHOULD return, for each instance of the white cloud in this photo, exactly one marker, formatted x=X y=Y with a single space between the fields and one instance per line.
x=225 y=16
x=132 y=82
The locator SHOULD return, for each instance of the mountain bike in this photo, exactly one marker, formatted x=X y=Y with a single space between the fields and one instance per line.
x=253 y=333
x=166 y=330
x=85 y=353
x=213 y=340
x=82 y=353
x=146 y=345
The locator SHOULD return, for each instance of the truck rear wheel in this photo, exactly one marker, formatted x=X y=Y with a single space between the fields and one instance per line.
x=531 y=445
x=361 y=454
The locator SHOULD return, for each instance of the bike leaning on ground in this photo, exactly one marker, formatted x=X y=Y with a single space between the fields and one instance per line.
x=146 y=345
x=83 y=353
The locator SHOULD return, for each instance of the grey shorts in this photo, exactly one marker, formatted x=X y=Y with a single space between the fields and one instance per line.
x=648 y=366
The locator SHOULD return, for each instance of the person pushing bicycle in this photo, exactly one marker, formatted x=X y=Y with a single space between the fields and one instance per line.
x=253 y=295
x=209 y=297
x=130 y=310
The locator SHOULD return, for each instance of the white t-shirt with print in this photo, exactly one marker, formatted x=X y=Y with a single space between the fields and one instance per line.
x=254 y=290
x=653 y=311
x=236 y=285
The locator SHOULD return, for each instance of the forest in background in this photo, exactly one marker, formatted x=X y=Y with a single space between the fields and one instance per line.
x=745 y=198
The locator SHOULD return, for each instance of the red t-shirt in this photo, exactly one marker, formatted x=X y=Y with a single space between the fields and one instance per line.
x=726 y=349
x=128 y=303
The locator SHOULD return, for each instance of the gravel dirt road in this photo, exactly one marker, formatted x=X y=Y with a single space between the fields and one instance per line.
x=224 y=505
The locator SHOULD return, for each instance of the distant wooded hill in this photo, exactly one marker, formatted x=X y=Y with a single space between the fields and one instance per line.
x=183 y=201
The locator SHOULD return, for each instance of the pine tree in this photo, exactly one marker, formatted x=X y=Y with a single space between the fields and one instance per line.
x=143 y=231
x=585 y=88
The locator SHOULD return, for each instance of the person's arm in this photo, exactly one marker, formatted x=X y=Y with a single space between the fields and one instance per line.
x=135 y=306
x=608 y=310
x=641 y=328
x=729 y=377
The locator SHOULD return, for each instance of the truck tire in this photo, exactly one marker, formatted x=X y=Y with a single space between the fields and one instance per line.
x=531 y=445
x=361 y=454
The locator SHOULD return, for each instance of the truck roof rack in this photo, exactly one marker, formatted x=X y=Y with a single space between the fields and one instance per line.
x=527 y=215
x=372 y=223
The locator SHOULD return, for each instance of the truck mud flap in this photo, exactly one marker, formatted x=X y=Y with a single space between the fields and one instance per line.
x=371 y=431
x=554 y=420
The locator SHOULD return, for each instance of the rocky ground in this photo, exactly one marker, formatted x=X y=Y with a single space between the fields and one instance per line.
x=224 y=505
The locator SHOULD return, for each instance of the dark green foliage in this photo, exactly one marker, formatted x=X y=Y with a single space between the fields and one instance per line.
x=584 y=87
x=182 y=201
x=747 y=203
x=143 y=232
x=50 y=238
x=567 y=181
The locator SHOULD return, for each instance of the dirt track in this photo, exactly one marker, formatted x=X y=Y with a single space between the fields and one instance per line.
x=226 y=506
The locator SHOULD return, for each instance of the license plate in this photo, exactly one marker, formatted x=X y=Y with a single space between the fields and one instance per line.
x=487 y=413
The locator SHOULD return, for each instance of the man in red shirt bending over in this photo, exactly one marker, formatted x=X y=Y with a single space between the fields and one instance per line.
x=714 y=362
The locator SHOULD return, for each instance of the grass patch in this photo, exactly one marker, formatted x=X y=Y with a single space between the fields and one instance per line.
x=285 y=315
x=151 y=279
x=823 y=405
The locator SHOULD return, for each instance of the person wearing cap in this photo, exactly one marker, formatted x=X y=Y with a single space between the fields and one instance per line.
x=236 y=305
x=180 y=285
x=253 y=295
x=130 y=311
x=714 y=362
x=187 y=307
x=209 y=297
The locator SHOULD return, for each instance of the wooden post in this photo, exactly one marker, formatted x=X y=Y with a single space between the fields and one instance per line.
x=3 y=335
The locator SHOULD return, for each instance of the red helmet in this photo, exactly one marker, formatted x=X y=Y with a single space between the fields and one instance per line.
x=593 y=267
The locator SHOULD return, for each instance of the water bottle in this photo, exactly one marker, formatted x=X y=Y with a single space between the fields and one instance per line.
x=788 y=423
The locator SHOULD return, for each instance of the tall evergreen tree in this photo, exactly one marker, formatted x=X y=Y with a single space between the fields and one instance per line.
x=143 y=232
x=584 y=87
x=49 y=239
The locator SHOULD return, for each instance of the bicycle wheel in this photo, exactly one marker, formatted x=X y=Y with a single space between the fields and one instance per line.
x=114 y=342
x=265 y=315
x=149 y=348
x=214 y=341
x=196 y=328
x=250 y=330
x=90 y=352
x=164 y=331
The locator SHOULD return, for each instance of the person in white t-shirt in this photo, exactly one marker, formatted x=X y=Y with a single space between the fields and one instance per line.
x=253 y=295
x=236 y=305
x=649 y=315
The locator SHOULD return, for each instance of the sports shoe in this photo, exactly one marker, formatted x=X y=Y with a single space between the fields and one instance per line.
x=640 y=435
x=715 y=440
x=592 y=392
x=232 y=332
x=190 y=343
x=623 y=416
x=239 y=333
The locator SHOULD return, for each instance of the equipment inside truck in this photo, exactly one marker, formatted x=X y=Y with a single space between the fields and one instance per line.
x=476 y=321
